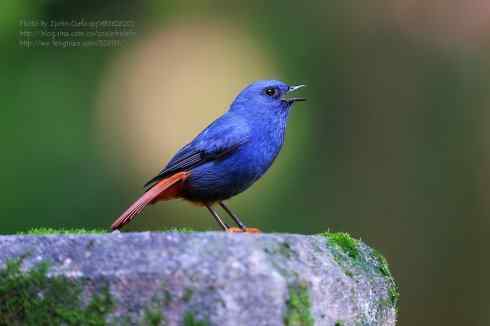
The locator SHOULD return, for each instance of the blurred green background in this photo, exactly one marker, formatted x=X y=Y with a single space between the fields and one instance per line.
x=392 y=145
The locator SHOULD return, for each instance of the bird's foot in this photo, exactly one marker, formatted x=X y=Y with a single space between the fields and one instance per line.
x=246 y=230
x=234 y=230
x=252 y=230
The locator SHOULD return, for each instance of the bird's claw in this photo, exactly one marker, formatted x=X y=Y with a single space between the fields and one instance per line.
x=234 y=230
x=239 y=230
x=252 y=230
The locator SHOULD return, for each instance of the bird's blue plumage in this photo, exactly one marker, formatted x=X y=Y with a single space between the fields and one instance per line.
x=236 y=149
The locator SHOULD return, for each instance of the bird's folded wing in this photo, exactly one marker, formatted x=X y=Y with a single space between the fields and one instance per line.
x=219 y=139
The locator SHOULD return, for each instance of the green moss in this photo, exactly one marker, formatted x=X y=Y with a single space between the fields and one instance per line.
x=345 y=250
x=385 y=270
x=153 y=313
x=191 y=320
x=167 y=298
x=187 y=296
x=50 y=231
x=368 y=259
x=394 y=294
x=345 y=242
x=282 y=249
x=33 y=298
x=383 y=263
x=298 y=307
x=286 y=250
x=154 y=317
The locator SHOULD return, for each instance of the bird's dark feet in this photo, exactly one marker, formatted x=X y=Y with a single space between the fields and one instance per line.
x=246 y=230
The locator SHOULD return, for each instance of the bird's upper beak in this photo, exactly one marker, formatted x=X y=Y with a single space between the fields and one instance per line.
x=293 y=99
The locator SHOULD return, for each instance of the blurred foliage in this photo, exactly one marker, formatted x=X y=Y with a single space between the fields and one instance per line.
x=390 y=147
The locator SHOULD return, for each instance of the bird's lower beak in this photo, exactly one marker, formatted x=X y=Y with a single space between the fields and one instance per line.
x=293 y=99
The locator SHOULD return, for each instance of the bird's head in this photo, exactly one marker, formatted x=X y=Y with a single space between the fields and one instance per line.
x=266 y=96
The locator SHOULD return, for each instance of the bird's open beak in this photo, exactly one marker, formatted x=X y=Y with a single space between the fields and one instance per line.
x=293 y=99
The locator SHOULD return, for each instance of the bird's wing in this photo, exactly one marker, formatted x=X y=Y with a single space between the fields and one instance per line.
x=219 y=139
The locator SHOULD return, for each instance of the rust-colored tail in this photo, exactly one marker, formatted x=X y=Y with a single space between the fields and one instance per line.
x=163 y=190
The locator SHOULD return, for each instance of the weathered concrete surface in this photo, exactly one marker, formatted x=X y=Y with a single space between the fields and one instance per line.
x=221 y=279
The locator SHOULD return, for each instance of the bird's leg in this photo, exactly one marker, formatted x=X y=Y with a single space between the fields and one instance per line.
x=217 y=218
x=235 y=218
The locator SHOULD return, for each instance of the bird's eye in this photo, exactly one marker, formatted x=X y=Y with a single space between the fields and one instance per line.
x=270 y=91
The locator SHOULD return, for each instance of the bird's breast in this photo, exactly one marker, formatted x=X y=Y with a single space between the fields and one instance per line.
x=224 y=178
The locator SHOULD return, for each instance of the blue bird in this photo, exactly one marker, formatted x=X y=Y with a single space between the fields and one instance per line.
x=227 y=157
